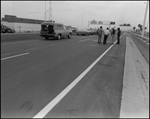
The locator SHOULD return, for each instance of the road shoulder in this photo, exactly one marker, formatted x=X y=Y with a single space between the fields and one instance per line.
x=98 y=94
x=135 y=95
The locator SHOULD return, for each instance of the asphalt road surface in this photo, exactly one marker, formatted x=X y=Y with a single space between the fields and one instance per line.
x=34 y=72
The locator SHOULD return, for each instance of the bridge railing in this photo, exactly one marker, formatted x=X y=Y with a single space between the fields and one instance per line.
x=146 y=39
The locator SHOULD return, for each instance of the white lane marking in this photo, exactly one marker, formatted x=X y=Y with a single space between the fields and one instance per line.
x=14 y=56
x=20 y=42
x=38 y=47
x=96 y=40
x=84 y=40
x=51 y=104
x=61 y=42
x=93 y=45
x=28 y=49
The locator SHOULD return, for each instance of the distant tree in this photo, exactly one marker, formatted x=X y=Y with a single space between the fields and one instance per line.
x=140 y=26
x=134 y=28
x=124 y=24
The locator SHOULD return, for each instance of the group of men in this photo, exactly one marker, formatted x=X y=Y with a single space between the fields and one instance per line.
x=106 y=34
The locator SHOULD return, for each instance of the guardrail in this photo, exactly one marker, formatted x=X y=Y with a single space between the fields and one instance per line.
x=142 y=38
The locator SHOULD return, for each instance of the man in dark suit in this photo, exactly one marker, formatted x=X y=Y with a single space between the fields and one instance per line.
x=118 y=35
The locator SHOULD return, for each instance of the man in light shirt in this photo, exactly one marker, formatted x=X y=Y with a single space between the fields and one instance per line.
x=106 y=34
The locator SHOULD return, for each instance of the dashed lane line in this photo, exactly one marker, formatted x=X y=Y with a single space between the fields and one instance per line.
x=14 y=56
x=29 y=49
x=84 y=40
x=21 y=42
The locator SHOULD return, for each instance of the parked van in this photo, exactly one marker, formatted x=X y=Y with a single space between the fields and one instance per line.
x=55 y=30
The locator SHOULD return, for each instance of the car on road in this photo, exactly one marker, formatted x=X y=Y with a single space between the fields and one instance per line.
x=92 y=31
x=6 y=29
x=55 y=30
x=82 y=32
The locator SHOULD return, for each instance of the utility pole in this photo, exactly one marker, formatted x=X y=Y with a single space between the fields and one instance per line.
x=45 y=11
x=145 y=16
x=88 y=24
x=15 y=15
x=82 y=19
x=147 y=29
x=50 y=11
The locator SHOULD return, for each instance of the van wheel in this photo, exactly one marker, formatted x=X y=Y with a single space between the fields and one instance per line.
x=58 y=37
x=69 y=36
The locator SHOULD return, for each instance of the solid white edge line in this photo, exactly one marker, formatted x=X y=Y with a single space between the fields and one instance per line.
x=13 y=56
x=51 y=104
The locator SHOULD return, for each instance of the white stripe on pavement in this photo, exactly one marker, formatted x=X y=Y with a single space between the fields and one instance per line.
x=14 y=56
x=84 y=40
x=39 y=47
x=51 y=104
x=93 y=45
x=61 y=42
x=26 y=50
x=18 y=42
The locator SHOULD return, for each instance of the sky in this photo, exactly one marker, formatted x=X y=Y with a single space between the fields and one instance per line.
x=71 y=12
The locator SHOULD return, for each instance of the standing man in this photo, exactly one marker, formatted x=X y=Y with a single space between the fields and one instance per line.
x=100 y=32
x=113 y=34
x=106 y=34
x=118 y=36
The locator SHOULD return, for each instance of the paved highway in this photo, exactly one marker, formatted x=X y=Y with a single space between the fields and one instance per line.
x=34 y=72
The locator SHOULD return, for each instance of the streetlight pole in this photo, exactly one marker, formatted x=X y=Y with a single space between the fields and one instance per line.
x=148 y=24
x=14 y=14
x=144 y=19
x=45 y=15
x=82 y=19
x=45 y=11
x=88 y=24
